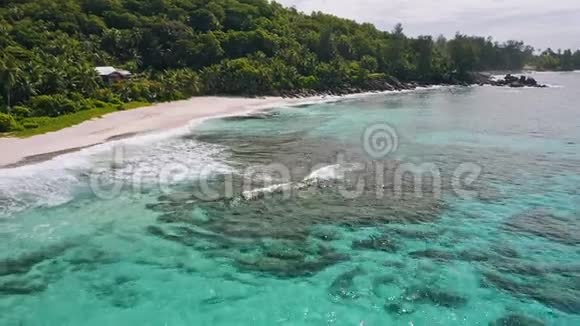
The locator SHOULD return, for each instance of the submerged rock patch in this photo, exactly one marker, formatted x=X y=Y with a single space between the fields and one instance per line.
x=274 y=234
x=399 y=308
x=407 y=302
x=414 y=234
x=436 y=297
x=377 y=243
x=25 y=262
x=544 y=224
x=21 y=286
x=120 y=292
x=434 y=254
x=343 y=286
x=517 y=320
x=285 y=268
x=563 y=298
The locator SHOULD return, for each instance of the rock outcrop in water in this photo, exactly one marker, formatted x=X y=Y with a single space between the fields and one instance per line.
x=516 y=82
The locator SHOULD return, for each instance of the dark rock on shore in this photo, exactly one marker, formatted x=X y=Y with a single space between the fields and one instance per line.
x=378 y=85
x=390 y=83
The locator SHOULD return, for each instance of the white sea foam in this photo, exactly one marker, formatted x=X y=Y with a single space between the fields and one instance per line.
x=163 y=162
x=55 y=182
x=339 y=98
x=18 y=193
x=260 y=192
x=145 y=159
x=332 y=172
x=329 y=172
x=50 y=183
x=326 y=173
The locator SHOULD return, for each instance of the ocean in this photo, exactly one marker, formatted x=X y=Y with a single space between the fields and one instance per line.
x=439 y=206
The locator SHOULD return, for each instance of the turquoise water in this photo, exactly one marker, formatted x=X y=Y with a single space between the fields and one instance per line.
x=161 y=251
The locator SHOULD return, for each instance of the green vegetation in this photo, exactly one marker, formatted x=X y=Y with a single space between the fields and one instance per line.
x=182 y=48
x=7 y=122
x=561 y=60
x=30 y=126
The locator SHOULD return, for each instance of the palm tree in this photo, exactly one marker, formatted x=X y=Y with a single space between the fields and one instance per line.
x=9 y=74
x=54 y=79
x=88 y=79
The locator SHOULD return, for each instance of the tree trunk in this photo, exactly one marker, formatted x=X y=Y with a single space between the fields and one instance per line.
x=8 y=100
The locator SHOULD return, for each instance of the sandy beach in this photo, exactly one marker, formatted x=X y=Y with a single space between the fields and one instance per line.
x=122 y=124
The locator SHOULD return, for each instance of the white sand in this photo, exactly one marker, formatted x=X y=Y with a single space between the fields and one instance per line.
x=158 y=117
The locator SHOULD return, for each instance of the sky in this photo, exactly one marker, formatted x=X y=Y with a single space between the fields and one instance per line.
x=540 y=23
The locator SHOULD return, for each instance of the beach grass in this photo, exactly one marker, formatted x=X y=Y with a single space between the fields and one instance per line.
x=39 y=125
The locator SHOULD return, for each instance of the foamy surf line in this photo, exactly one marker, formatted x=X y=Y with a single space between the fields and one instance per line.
x=55 y=180
x=161 y=121
x=340 y=98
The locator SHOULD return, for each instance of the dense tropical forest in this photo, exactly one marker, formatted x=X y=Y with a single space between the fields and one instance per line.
x=181 y=48
x=559 y=61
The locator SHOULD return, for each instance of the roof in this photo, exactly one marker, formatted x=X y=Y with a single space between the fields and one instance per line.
x=105 y=71
x=109 y=70
x=124 y=72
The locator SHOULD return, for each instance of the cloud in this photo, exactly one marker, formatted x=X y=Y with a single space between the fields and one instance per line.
x=540 y=23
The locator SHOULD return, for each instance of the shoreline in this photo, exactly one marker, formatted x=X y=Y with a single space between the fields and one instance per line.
x=150 y=120
x=121 y=125
x=163 y=117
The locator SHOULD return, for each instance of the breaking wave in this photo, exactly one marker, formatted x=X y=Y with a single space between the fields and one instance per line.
x=148 y=159
x=328 y=173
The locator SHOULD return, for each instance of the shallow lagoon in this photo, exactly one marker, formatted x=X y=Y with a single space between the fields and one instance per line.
x=161 y=254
